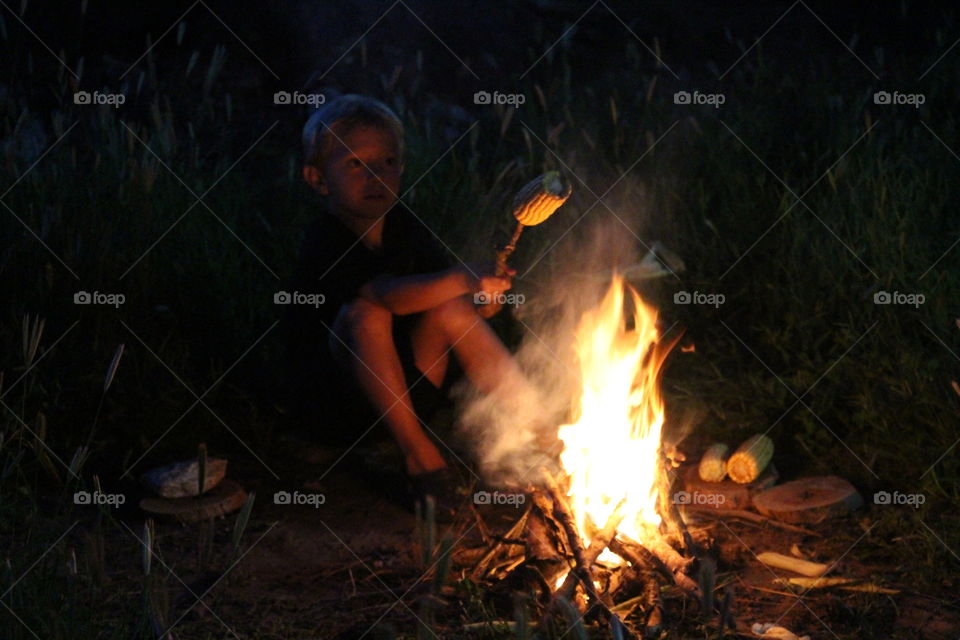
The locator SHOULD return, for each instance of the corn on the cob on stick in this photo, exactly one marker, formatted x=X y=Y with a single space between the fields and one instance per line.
x=713 y=464
x=750 y=459
x=533 y=204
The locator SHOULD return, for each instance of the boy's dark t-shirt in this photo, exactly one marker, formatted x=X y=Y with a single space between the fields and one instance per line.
x=335 y=263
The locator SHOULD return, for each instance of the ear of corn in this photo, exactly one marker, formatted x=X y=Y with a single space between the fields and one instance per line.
x=797 y=565
x=750 y=459
x=540 y=198
x=713 y=464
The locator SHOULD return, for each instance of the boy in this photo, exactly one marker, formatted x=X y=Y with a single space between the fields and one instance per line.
x=394 y=308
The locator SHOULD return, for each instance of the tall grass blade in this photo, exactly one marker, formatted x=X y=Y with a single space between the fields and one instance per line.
x=147 y=546
x=242 y=520
x=112 y=369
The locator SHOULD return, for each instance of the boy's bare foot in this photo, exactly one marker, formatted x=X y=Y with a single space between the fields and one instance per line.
x=424 y=462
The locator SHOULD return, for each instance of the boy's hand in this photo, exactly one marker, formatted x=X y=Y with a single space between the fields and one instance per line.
x=483 y=278
x=483 y=281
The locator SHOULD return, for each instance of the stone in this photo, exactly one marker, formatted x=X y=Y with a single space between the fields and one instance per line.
x=225 y=498
x=181 y=479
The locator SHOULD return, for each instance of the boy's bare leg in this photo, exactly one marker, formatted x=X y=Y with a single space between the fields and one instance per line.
x=371 y=355
x=456 y=325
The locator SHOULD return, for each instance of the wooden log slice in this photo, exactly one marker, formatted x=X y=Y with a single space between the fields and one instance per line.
x=726 y=494
x=809 y=500
x=226 y=497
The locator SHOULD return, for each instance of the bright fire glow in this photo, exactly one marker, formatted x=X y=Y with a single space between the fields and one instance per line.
x=611 y=452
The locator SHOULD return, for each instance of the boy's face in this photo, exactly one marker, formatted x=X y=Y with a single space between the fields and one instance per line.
x=361 y=174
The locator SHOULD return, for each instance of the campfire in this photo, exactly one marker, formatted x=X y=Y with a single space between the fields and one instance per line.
x=603 y=533
x=611 y=454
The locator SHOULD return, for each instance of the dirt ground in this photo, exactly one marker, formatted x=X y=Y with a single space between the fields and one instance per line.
x=352 y=567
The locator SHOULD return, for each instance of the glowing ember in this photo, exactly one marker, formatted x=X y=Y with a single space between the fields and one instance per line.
x=611 y=452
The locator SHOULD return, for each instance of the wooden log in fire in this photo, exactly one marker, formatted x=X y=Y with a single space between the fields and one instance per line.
x=582 y=571
x=564 y=515
x=480 y=567
x=584 y=558
x=551 y=536
x=658 y=553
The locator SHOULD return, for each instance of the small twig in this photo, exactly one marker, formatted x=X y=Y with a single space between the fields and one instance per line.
x=481 y=525
x=774 y=591
x=753 y=517
x=514 y=531
x=495 y=625
x=510 y=565
x=629 y=605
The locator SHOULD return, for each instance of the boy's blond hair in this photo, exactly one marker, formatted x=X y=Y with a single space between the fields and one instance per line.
x=346 y=112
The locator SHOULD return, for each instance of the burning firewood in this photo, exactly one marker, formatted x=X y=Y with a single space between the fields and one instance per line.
x=672 y=562
x=588 y=557
x=481 y=565
x=601 y=526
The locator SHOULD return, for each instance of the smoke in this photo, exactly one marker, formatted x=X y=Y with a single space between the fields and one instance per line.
x=512 y=430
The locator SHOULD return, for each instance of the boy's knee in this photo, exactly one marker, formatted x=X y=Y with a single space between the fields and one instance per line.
x=456 y=314
x=357 y=319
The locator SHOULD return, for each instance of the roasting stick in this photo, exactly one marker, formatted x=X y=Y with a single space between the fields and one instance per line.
x=534 y=203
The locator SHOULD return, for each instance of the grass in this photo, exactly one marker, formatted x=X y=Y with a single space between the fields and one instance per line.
x=845 y=386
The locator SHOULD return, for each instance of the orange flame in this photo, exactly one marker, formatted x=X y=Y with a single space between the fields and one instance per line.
x=612 y=451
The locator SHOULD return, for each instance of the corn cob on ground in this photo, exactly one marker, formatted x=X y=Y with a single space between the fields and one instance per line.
x=750 y=459
x=713 y=464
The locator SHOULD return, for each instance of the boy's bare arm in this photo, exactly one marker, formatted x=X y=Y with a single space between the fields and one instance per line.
x=402 y=295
